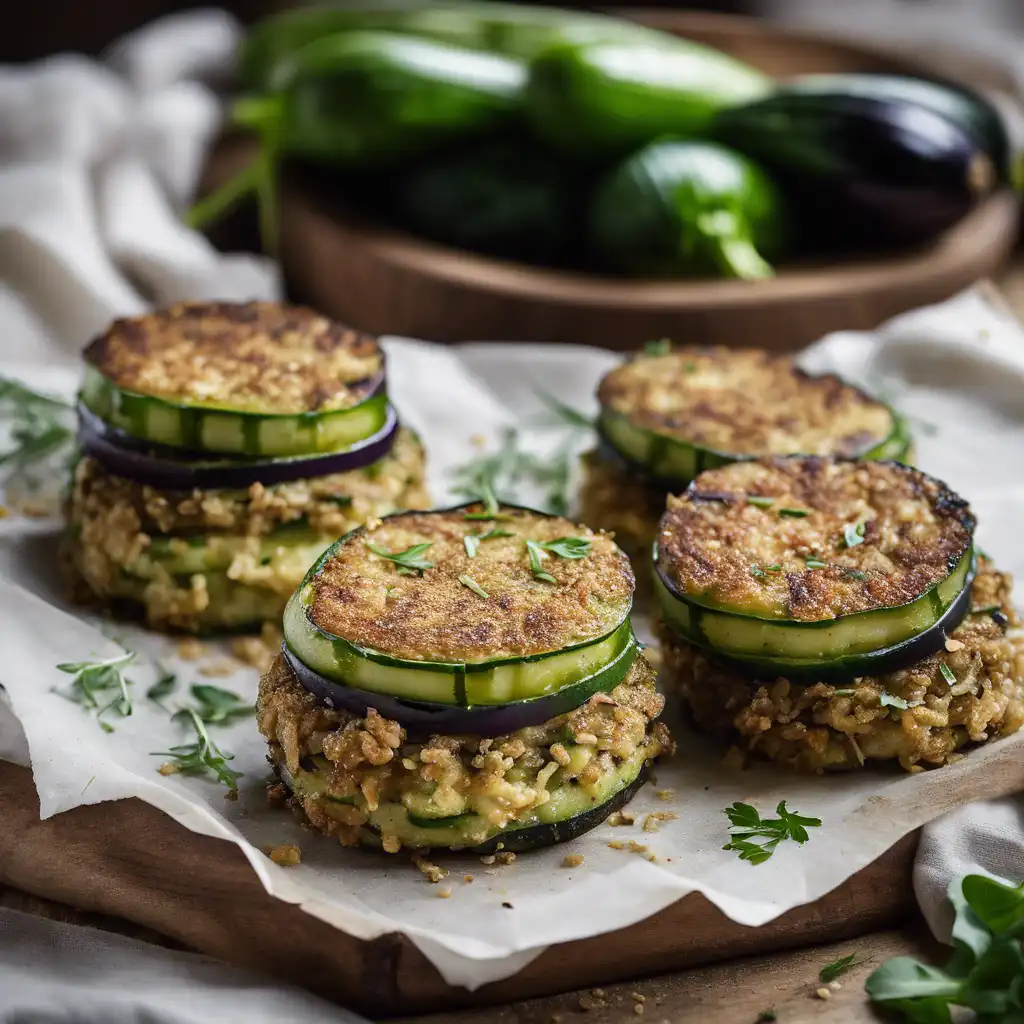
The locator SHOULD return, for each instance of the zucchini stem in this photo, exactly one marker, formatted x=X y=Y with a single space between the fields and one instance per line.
x=730 y=246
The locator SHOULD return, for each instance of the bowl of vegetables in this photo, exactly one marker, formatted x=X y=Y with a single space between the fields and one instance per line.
x=470 y=170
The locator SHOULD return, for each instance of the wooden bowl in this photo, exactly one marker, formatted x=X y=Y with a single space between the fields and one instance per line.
x=387 y=282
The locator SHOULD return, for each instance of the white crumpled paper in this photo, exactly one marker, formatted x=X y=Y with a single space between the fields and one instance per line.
x=956 y=370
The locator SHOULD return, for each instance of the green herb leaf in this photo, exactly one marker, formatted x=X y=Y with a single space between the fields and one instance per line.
x=773 y=568
x=794 y=513
x=41 y=430
x=471 y=542
x=853 y=534
x=341 y=500
x=999 y=906
x=409 y=559
x=661 y=347
x=815 y=563
x=564 y=547
x=838 y=968
x=92 y=678
x=163 y=687
x=566 y=413
x=760 y=501
x=747 y=826
x=219 y=707
x=202 y=756
x=889 y=700
x=843 y=693
x=758 y=573
x=766 y=1017
x=947 y=673
x=855 y=574
x=468 y=581
x=904 y=978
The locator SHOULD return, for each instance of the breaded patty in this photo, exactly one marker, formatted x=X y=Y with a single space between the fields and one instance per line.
x=928 y=714
x=211 y=560
x=838 y=537
x=366 y=598
x=501 y=782
x=745 y=402
x=249 y=357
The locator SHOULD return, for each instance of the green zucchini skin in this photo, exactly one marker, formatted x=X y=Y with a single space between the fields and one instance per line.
x=366 y=99
x=505 y=199
x=835 y=670
x=686 y=209
x=606 y=99
x=516 y=30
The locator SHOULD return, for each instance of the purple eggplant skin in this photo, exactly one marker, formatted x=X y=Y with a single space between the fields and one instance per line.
x=862 y=171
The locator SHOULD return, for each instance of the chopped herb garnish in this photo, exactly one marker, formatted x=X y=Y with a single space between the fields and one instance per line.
x=566 y=413
x=760 y=500
x=890 y=700
x=853 y=534
x=794 y=513
x=472 y=541
x=219 y=707
x=408 y=561
x=815 y=563
x=487 y=497
x=563 y=547
x=468 y=581
x=202 y=756
x=40 y=427
x=661 y=347
x=839 y=967
x=855 y=574
x=342 y=500
x=95 y=677
x=758 y=573
x=773 y=568
x=947 y=673
x=690 y=368
x=163 y=687
x=747 y=827
x=843 y=693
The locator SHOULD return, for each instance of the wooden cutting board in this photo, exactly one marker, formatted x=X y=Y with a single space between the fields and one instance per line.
x=131 y=861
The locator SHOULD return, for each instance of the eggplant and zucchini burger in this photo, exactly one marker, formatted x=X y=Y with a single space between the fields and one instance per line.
x=222 y=448
x=667 y=415
x=462 y=679
x=823 y=613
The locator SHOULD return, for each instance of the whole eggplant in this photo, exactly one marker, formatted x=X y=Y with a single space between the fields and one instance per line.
x=862 y=170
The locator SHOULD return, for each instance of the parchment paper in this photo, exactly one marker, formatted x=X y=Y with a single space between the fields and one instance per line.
x=957 y=370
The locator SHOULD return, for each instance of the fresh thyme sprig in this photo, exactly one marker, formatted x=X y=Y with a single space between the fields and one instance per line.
x=218 y=706
x=565 y=413
x=839 y=967
x=408 y=561
x=471 y=584
x=660 y=347
x=563 y=547
x=202 y=756
x=472 y=541
x=163 y=687
x=747 y=825
x=92 y=678
x=40 y=426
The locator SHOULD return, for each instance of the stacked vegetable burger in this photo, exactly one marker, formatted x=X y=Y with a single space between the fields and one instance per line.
x=827 y=612
x=668 y=415
x=223 y=447
x=465 y=679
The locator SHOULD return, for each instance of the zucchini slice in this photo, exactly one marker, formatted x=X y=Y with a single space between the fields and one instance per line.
x=815 y=568
x=486 y=628
x=673 y=416
x=571 y=811
x=251 y=379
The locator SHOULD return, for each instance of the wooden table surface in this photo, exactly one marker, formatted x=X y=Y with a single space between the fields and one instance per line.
x=731 y=993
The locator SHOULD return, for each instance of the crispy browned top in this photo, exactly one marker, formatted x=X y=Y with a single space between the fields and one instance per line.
x=745 y=401
x=716 y=546
x=252 y=356
x=362 y=597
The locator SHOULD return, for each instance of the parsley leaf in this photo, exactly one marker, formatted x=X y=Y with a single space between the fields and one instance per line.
x=472 y=541
x=660 y=347
x=163 y=687
x=408 y=560
x=853 y=534
x=839 y=967
x=747 y=826
x=947 y=673
x=200 y=757
x=794 y=513
x=855 y=574
x=219 y=707
x=564 y=547
x=468 y=581
x=815 y=563
x=760 y=501
x=889 y=700
x=92 y=678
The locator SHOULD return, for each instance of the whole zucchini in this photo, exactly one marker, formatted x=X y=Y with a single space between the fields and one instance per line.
x=604 y=100
x=368 y=98
x=967 y=108
x=505 y=199
x=681 y=209
x=863 y=170
x=513 y=29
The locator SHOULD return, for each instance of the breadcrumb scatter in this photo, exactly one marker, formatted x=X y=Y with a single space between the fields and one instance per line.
x=168 y=768
x=652 y=822
x=823 y=993
x=835 y=985
x=505 y=858
x=637 y=847
x=287 y=855
x=638 y=1009
x=191 y=649
x=467 y=878
x=954 y=645
x=219 y=669
x=258 y=651
x=572 y=860
x=637 y=997
x=434 y=872
x=277 y=794
x=665 y=794
x=620 y=818
x=617 y=844
x=487 y=858
x=444 y=894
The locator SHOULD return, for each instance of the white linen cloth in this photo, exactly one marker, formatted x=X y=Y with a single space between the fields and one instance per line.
x=98 y=157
